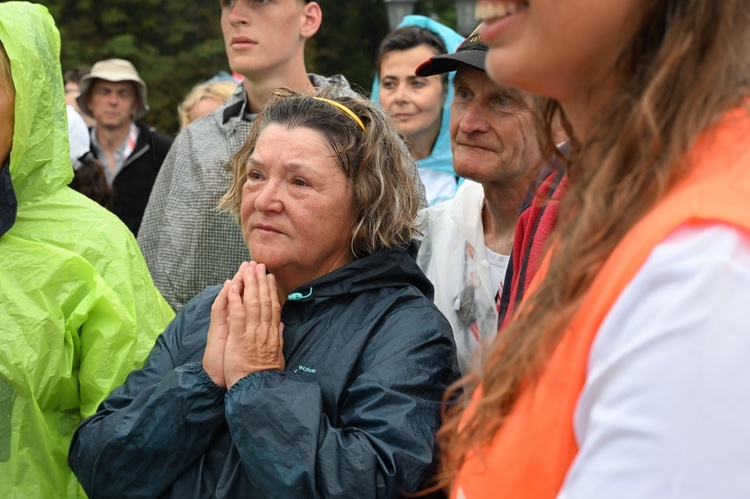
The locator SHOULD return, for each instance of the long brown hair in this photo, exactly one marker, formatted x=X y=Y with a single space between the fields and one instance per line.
x=684 y=68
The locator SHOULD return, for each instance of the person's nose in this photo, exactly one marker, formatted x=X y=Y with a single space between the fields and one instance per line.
x=474 y=119
x=269 y=197
x=237 y=14
x=113 y=99
x=401 y=94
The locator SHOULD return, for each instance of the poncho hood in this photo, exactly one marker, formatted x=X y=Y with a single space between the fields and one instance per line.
x=78 y=308
x=39 y=158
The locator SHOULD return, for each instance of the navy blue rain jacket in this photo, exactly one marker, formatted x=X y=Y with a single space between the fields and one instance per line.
x=368 y=357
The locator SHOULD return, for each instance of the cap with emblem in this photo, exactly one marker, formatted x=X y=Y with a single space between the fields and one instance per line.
x=472 y=51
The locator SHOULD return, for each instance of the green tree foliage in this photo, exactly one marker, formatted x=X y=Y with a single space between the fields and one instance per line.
x=173 y=44
x=177 y=44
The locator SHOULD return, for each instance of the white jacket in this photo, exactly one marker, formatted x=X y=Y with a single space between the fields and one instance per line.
x=454 y=257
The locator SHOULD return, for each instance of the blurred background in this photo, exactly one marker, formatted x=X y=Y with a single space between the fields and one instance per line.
x=176 y=44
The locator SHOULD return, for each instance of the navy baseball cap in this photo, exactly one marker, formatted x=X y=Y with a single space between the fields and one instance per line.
x=472 y=51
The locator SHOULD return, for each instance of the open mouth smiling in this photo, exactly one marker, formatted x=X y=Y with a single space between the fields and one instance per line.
x=493 y=11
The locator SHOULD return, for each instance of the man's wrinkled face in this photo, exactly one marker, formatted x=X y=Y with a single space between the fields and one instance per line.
x=493 y=136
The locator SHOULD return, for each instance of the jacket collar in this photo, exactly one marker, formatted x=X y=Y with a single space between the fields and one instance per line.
x=8 y=201
x=388 y=268
x=232 y=111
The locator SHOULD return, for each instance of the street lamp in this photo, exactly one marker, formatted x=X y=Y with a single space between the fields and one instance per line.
x=465 y=18
x=398 y=9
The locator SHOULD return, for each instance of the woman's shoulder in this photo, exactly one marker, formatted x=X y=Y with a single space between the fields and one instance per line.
x=708 y=260
x=408 y=314
x=385 y=283
x=410 y=326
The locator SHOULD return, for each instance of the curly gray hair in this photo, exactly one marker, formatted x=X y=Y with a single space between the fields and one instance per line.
x=376 y=162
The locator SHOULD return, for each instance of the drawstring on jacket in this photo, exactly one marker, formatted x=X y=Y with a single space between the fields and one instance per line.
x=299 y=296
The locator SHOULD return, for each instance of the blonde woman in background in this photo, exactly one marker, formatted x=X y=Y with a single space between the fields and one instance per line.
x=204 y=99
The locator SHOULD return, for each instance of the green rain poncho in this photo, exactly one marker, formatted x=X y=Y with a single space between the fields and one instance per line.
x=78 y=309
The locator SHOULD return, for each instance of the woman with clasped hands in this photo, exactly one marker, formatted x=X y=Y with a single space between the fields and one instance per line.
x=318 y=370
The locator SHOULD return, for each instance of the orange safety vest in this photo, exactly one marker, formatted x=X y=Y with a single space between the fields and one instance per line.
x=533 y=450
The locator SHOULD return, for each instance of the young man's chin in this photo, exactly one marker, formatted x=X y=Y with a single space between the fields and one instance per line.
x=247 y=70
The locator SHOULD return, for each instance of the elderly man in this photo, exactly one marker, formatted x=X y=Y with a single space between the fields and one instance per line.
x=114 y=95
x=468 y=239
x=187 y=242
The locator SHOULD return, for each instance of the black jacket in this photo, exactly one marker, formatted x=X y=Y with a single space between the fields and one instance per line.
x=132 y=185
x=368 y=357
x=8 y=201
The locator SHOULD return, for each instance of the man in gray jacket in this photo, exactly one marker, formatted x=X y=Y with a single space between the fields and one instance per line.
x=187 y=242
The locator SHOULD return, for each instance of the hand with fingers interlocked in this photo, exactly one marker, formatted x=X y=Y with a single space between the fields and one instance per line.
x=246 y=333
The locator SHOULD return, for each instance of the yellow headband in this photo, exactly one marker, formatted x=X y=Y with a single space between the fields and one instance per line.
x=345 y=109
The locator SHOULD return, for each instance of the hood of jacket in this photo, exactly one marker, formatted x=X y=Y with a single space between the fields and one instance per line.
x=394 y=268
x=441 y=157
x=40 y=157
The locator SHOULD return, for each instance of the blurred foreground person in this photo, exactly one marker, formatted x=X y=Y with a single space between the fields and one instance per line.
x=624 y=372
x=319 y=369
x=78 y=309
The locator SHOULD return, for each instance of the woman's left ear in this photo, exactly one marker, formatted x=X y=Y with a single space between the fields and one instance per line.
x=311 y=20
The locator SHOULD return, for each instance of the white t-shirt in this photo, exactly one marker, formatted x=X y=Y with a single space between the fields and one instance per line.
x=498 y=264
x=665 y=411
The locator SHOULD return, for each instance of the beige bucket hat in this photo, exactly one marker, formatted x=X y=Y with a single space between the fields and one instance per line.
x=113 y=70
